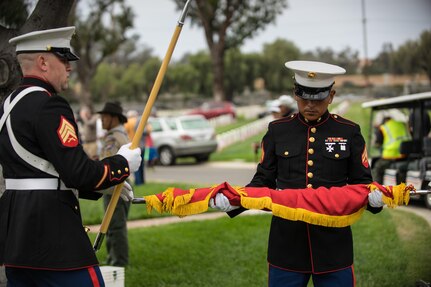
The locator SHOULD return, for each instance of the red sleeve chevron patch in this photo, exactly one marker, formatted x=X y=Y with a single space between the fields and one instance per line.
x=66 y=133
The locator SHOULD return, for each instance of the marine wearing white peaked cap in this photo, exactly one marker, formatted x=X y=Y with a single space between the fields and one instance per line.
x=55 y=41
x=313 y=80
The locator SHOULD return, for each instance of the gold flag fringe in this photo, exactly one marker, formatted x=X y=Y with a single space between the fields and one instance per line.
x=300 y=214
x=400 y=194
x=181 y=206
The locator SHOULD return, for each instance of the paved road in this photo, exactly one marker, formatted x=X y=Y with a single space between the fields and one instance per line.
x=236 y=173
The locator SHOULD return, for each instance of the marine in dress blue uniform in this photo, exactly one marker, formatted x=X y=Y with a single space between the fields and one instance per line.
x=42 y=240
x=310 y=149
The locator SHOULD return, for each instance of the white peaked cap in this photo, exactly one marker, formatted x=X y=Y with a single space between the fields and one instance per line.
x=286 y=100
x=274 y=106
x=314 y=74
x=53 y=40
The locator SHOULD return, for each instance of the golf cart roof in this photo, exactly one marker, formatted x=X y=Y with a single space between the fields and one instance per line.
x=404 y=101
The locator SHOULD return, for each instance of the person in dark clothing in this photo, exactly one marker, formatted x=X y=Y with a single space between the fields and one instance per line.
x=42 y=240
x=311 y=149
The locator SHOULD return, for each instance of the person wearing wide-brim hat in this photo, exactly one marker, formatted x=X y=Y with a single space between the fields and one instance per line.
x=311 y=149
x=114 y=109
x=117 y=244
x=46 y=170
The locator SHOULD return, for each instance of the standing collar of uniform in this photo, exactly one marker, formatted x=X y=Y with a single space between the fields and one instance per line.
x=37 y=81
x=323 y=118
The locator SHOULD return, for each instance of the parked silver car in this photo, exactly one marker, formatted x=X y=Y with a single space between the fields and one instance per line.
x=183 y=136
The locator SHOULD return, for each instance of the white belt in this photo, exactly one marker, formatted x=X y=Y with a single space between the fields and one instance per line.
x=34 y=184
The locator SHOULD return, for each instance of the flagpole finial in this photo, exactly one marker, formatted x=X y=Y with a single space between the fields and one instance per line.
x=184 y=13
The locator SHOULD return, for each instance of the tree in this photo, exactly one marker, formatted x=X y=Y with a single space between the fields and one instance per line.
x=100 y=35
x=424 y=54
x=47 y=14
x=277 y=77
x=226 y=24
x=383 y=62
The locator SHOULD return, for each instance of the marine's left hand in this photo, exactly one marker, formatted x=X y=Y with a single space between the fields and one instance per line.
x=126 y=191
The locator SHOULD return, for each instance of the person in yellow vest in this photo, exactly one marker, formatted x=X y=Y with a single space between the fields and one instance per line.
x=389 y=136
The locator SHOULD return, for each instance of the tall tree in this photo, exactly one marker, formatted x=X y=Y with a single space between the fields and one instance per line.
x=277 y=77
x=47 y=14
x=100 y=34
x=227 y=23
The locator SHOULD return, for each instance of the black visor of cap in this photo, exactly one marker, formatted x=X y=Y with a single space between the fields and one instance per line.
x=314 y=94
x=65 y=53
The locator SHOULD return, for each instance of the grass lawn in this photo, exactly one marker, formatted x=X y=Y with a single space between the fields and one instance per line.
x=391 y=249
x=92 y=211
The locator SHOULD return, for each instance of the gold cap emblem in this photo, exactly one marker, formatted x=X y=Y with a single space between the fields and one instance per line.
x=48 y=47
x=311 y=74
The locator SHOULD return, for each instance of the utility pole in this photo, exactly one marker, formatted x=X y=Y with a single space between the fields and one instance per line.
x=364 y=33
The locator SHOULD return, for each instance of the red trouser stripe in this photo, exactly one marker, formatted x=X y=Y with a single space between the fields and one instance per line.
x=93 y=277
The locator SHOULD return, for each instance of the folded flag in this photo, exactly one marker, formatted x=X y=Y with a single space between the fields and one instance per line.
x=331 y=207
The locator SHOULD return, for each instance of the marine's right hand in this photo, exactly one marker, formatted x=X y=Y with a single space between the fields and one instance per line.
x=133 y=156
x=221 y=202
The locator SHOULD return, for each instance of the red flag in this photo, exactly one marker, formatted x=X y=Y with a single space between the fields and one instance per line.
x=331 y=207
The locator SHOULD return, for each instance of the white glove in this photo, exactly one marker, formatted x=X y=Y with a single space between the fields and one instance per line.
x=126 y=191
x=133 y=156
x=375 y=198
x=222 y=203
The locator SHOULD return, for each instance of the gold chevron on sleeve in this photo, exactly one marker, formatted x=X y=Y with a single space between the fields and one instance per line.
x=66 y=133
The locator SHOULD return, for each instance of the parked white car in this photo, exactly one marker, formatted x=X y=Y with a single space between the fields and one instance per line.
x=183 y=136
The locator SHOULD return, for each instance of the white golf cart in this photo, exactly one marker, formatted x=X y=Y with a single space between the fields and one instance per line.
x=415 y=168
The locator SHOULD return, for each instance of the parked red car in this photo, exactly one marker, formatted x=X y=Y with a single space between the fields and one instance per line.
x=214 y=109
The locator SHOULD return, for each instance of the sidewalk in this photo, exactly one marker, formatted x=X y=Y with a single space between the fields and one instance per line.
x=425 y=213
x=175 y=219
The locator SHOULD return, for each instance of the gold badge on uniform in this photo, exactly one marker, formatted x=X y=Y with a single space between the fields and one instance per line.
x=66 y=133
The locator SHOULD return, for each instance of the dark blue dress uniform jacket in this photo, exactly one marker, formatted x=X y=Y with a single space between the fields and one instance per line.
x=42 y=229
x=299 y=154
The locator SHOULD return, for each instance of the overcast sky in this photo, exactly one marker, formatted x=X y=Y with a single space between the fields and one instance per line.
x=336 y=24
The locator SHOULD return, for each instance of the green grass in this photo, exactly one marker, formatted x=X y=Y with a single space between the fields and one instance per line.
x=242 y=151
x=391 y=249
x=92 y=211
x=240 y=121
